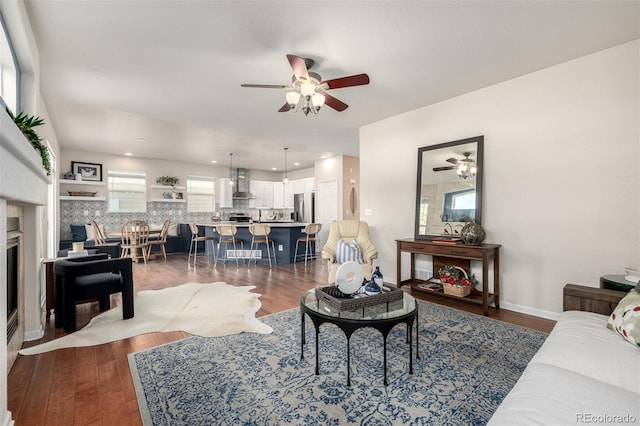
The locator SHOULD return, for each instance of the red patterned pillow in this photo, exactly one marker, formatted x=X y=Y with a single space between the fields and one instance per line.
x=625 y=319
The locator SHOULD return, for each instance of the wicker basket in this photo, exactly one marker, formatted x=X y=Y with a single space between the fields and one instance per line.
x=457 y=290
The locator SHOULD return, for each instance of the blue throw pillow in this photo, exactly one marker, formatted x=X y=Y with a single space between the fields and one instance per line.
x=346 y=252
x=78 y=233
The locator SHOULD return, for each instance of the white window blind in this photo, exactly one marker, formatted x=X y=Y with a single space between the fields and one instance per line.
x=200 y=194
x=127 y=191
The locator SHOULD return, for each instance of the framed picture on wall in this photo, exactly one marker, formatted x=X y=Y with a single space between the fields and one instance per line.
x=89 y=171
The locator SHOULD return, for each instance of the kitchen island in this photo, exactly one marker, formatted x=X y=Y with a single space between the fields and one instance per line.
x=284 y=235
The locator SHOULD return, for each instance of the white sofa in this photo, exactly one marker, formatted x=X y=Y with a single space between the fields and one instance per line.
x=584 y=373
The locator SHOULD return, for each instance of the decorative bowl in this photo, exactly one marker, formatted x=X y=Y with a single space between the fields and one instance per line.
x=82 y=194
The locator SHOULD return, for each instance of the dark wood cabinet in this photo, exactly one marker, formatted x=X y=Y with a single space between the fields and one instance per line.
x=453 y=254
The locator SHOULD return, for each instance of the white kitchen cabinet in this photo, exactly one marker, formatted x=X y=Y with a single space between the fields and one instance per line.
x=288 y=196
x=303 y=186
x=224 y=193
x=256 y=188
x=298 y=186
x=267 y=195
x=309 y=185
x=278 y=195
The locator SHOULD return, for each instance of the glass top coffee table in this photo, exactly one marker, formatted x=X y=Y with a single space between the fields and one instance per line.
x=383 y=317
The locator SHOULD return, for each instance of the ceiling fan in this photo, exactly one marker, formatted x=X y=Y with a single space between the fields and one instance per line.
x=465 y=168
x=307 y=91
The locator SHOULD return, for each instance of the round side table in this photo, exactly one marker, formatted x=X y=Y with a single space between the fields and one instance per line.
x=616 y=282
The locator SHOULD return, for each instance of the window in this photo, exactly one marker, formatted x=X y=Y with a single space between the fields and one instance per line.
x=458 y=204
x=200 y=194
x=127 y=191
x=9 y=72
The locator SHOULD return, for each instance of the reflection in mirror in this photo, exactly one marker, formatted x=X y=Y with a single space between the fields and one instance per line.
x=449 y=187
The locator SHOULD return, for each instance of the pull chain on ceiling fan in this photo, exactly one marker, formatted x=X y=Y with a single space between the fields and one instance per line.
x=307 y=92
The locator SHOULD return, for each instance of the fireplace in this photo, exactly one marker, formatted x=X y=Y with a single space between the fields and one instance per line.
x=13 y=275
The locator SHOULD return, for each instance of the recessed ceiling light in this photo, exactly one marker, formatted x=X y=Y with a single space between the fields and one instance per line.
x=323 y=157
x=128 y=154
x=296 y=164
x=274 y=168
x=214 y=161
x=141 y=139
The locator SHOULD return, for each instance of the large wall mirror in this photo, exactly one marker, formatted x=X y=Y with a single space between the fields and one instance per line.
x=449 y=186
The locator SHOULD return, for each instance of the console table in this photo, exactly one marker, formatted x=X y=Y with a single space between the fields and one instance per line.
x=448 y=254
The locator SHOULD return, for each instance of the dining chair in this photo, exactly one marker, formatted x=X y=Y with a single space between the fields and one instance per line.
x=310 y=237
x=100 y=241
x=260 y=235
x=135 y=239
x=227 y=234
x=162 y=240
x=195 y=239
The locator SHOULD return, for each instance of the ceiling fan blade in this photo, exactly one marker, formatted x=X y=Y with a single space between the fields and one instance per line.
x=299 y=67
x=352 y=80
x=265 y=86
x=453 y=160
x=285 y=108
x=334 y=103
x=439 y=169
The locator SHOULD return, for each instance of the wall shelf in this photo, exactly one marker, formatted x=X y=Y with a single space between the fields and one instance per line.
x=166 y=200
x=81 y=182
x=169 y=187
x=69 y=197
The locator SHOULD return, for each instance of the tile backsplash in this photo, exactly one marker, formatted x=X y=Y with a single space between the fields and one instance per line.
x=77 y=212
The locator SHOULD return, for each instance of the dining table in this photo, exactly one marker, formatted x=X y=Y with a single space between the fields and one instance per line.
x=134 y=254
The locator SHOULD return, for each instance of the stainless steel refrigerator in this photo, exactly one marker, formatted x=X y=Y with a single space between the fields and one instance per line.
x=303 y=207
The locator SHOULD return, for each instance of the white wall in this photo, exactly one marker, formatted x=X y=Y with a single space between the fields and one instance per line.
x=561 y=184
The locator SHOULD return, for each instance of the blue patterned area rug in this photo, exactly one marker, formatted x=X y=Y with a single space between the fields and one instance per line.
x=468 y=363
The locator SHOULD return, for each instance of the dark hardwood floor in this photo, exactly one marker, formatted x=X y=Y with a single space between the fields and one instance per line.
x=93 y=386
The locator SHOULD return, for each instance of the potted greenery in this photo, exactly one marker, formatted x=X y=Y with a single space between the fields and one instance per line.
x=168 y=180
x=26 y=123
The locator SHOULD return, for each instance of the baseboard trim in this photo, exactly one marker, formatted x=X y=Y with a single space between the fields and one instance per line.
x=7 y=420
x=516 y=308
x=530 y=311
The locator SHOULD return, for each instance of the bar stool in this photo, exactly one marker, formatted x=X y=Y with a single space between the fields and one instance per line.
x=311 y=236
x=260 y=235
x=195 y=239
x=227 y=234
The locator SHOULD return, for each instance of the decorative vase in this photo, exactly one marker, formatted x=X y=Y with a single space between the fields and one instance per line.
x=471 y=232
x=376 y=277
x=372 y=288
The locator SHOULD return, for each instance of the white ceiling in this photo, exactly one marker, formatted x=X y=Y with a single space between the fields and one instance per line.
x=161 y=79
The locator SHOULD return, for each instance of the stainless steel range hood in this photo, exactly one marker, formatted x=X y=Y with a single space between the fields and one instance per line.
x=242 y=186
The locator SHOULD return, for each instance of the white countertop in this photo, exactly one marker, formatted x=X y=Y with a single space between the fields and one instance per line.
x=246 y=224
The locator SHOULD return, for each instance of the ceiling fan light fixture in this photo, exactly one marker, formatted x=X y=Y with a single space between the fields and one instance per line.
x=307 y=89
x=293 y=98
x=317 y=100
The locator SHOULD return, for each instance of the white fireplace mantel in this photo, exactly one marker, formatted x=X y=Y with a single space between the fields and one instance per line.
x=24 y=182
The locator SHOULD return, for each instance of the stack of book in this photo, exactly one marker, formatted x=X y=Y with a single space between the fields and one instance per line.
x=447 y=240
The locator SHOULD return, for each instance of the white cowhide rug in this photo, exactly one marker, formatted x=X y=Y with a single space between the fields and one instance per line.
x=209 y=310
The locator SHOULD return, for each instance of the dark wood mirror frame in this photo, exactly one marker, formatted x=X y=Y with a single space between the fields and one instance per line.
x=436 y=156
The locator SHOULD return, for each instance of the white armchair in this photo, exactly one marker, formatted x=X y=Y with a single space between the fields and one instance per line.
x=349 y=230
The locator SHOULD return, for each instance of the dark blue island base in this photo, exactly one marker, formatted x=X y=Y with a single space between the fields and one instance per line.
x=284 y=236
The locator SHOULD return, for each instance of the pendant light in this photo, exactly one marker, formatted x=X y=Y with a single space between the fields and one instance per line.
x=231 y=168
x=285 y=179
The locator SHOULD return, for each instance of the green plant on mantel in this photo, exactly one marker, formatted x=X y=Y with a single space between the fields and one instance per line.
x=26 y=123
x=168 y=180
